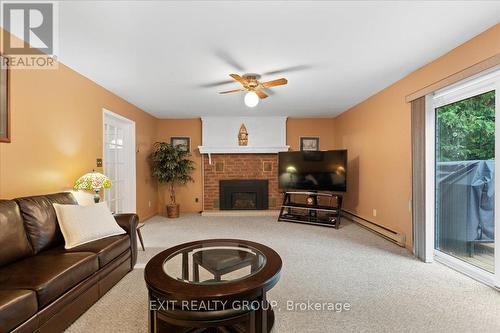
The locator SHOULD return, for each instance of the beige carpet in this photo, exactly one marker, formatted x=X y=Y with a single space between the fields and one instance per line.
x=387 y=289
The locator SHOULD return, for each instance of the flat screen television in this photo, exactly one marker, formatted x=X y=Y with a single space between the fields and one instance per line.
x=313 y=170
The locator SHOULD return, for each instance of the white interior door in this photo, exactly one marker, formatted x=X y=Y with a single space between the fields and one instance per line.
x=119 y=162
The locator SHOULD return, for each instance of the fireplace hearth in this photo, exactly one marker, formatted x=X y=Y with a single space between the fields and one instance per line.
x=243 y=194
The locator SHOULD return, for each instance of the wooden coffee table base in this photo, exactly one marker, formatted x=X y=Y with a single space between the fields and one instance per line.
x=164 y=327
x=180 y=303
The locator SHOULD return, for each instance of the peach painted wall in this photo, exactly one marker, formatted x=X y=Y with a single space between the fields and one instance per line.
x=321 y=127
x=377 y=134
x=57 y=134
x=186 y=194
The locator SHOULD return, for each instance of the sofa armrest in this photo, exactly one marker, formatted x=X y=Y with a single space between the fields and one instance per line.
x=129 y=223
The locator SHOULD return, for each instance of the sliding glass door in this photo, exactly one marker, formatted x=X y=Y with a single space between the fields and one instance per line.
x=464 y=176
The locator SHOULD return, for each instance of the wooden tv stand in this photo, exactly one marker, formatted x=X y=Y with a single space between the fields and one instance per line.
x=312 y=208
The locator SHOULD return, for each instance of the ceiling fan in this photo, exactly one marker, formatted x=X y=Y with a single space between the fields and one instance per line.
x=253 y=87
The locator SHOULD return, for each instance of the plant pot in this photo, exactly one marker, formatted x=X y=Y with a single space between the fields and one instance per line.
x=173 y=211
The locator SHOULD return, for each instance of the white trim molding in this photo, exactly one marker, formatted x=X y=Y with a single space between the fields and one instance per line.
x=242 y=150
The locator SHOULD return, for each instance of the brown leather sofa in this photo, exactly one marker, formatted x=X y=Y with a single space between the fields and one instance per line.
x=43 y=287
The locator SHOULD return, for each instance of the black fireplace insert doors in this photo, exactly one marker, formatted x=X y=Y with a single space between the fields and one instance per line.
x=244 y=194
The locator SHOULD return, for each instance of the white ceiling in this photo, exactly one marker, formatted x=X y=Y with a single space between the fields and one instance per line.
x=164 y=56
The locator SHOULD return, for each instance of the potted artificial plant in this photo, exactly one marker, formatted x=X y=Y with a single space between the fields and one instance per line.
x=171 y=165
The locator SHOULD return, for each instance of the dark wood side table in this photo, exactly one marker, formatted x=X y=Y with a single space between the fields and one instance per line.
x=229 y=295
x=220 y=262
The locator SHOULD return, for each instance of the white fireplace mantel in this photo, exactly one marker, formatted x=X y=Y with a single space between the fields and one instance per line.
x=242 y=150
x=266 y=135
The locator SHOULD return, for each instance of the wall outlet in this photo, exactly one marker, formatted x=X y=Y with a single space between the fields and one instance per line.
x=149 y=204
x=374 y=212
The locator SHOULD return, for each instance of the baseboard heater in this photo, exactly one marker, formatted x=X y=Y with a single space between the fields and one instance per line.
x=391 y=235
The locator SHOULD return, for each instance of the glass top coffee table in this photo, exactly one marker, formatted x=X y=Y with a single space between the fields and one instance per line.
x=214 y=264
x=213 y=284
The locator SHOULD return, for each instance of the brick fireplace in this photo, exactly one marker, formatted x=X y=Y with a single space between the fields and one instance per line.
x=239 y=167
x=256 y=161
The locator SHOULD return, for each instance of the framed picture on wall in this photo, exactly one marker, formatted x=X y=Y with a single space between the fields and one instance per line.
x=309 y=143
x=4 y=101
x=183 y=141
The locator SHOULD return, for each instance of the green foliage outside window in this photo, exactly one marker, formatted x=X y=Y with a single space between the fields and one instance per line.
x=466 y=129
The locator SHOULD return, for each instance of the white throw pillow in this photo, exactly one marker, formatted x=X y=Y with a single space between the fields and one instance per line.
x=84 y=224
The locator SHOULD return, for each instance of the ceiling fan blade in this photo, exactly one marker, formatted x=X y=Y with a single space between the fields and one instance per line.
x=214 y=84
x=228 y=59
x=238 y=78
x=288 y=69
x=260 y=93
x=230 y=91
x=274 y=83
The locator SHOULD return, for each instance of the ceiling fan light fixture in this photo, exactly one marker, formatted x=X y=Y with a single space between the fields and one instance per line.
x=251 y=99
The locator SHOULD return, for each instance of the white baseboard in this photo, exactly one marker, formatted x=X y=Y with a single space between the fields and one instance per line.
x=391 y=235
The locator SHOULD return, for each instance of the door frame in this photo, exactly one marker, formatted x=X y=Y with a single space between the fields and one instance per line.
x=482 y=82
x=130 y=205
